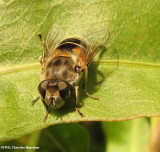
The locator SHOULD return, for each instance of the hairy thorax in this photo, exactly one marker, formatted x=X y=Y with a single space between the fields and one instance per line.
x=61 y=68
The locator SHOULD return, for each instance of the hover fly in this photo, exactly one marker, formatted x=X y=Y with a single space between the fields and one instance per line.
x=63 y=64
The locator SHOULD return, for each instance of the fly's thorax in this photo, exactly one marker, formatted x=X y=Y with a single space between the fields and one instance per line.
x=62 y=68
x=55 y=92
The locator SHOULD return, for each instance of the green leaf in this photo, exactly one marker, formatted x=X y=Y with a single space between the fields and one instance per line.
x=127 y=136
x=127 y=89
x=69 y=137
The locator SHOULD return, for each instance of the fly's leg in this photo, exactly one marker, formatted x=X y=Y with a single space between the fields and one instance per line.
x=76 y=103
x=47 y=107
x=35 y=100
x=45 y=53
x=46 y=50
x=84 y=84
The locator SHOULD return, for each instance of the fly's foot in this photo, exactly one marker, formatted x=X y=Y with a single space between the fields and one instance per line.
x=80 y=113
x=46 y=116
x=95 y=98
x=35 y=100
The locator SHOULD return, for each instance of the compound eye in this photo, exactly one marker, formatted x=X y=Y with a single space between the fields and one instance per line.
x=65 y=89
x=62 y=85
x=42 y=88
x=43 y=84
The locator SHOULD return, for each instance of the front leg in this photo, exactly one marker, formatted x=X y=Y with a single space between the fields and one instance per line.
x=84 y=84
x=47 y=111
x=35 y=100
x=46 y=106
x=76 y=103
x=45 y=54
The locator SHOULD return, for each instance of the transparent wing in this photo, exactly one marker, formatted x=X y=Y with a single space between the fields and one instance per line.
x=97 y=41
x=53 y=38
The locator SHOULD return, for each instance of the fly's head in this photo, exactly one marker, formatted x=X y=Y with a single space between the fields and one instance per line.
x=55 y=92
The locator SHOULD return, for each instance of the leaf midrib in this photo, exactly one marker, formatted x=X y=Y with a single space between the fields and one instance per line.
x=122 y=63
